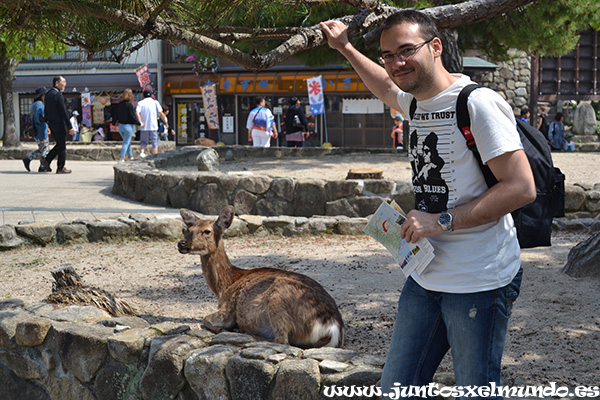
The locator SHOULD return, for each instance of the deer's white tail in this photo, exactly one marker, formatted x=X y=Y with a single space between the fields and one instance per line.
x=329 y=334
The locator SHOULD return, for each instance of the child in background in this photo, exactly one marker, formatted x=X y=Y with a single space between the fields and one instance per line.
x=397 y=133
x=569 y=144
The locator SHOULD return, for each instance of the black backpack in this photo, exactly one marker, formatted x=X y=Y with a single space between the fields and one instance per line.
x=534 y=220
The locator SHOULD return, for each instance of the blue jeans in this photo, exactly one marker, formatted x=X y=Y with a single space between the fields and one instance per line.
x=472 y=325
x=126 y=131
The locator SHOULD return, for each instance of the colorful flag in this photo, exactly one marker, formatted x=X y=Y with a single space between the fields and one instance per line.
x=211 y=112
x=315 y=95
x=144 y=77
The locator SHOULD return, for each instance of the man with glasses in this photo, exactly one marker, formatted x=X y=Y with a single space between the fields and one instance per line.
x=463 y=299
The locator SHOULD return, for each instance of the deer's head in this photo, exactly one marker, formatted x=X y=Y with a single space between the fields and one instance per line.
x=202 y=236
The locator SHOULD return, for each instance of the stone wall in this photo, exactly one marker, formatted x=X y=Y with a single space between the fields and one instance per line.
x=511 y=80
x=158 y=182
x=155 y=182
x=80 y=151
x=81 y=353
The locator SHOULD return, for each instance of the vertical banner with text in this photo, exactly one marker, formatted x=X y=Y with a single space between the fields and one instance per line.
x=143 y=76
x=315 y=95
x=211 y=112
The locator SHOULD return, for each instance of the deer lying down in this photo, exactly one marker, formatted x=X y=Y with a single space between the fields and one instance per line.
x=283 y=306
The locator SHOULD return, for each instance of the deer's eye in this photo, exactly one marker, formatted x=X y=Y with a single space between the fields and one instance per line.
x=206 y=232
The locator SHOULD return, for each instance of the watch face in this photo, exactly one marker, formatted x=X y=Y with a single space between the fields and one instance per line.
x=445 y=219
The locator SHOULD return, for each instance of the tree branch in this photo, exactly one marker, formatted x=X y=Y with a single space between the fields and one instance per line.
x=298 y=39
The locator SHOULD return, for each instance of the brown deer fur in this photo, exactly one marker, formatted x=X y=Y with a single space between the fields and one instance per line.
x=285 y=306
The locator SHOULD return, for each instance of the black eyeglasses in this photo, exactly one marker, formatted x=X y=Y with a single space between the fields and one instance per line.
x=403 y=54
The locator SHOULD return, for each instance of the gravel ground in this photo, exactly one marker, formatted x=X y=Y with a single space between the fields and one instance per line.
x=554 y=332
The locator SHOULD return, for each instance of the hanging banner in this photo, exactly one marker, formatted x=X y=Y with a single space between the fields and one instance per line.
x=315 y=95
x=182 y=120
x=86 y=109
x=143 y=76
x=209 y=97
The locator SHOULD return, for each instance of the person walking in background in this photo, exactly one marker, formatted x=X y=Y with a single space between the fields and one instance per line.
x=41 y=131
x=127 y=118
x=463 y=299
x=542 y=122
x=75 y=124
x=556 y=132
x=261 y=125
x=397 y=132
x=148 y=110
x=59 y=123
x=163 y=130
x=295 y=124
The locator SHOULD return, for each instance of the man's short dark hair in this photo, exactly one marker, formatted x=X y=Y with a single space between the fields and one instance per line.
x=258 y=99
x=57 y=79
x=428 y=27
x=147 y=93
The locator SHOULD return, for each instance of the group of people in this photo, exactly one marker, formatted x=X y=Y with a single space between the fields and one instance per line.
x=555 y=131
x=262 y=127
x=147 y=115
x=50 y=116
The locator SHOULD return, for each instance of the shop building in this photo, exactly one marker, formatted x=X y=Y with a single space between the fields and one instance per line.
x=98 y=80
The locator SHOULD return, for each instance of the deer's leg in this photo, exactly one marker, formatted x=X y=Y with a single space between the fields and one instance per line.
x=220 y=321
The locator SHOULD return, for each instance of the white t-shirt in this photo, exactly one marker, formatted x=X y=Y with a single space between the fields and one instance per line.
x=149 y=109
x=446 y=175
x=75 y=123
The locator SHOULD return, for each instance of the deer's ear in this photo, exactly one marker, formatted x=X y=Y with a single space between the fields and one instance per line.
x=188 y=218
x=225 y=218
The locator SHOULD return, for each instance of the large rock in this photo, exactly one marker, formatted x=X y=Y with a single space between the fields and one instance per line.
x=72 y=233
x=248 y=378
x=38 y=232
x=165 y=228
x=32 y=332
x=15 y=388
x=163 y=377
x=208 y=160
x=82 y=348
x=584 y=120
x=209 y=199
x=205 y=371
x=574 y=197
x=310 y=198
x=109 y=230
x=8 y=238
x=297 y=379
x=584 y=259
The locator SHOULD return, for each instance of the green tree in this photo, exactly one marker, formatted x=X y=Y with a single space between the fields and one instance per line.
x=15 y=46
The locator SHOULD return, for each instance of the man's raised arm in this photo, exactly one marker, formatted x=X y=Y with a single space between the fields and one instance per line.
x=374 y=76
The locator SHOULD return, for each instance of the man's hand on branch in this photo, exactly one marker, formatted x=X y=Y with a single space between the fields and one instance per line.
x=336 y=34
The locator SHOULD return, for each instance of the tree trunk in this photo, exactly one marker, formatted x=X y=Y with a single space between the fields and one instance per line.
x=451 y=57
x=7 y=70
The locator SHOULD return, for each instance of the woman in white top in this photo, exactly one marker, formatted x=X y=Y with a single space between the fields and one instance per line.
x=261 y=125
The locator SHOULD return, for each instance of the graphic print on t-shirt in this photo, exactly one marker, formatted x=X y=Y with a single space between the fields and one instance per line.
x=431 y=189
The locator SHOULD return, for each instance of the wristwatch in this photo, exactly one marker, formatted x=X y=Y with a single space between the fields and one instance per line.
x=445 y=221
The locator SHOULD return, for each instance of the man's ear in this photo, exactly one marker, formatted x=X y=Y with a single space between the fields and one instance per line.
x=436 y=47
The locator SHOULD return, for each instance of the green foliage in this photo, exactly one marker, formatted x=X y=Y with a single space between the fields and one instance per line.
x=547 y=28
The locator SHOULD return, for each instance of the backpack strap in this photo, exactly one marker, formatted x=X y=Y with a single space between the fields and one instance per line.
x=413 y=108
x=464 y=125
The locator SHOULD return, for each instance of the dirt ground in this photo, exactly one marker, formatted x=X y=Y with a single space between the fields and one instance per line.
x=554 y=334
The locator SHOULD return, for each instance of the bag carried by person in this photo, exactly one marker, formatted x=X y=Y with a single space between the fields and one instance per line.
x=534 y=220
x=29 y=128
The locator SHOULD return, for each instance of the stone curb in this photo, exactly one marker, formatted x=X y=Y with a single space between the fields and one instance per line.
x=141 y=226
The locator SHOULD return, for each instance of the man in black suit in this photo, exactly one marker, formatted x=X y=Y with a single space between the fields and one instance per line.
x=59 y=123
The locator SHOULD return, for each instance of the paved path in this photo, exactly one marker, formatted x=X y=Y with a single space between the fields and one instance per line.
x=83 y=194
